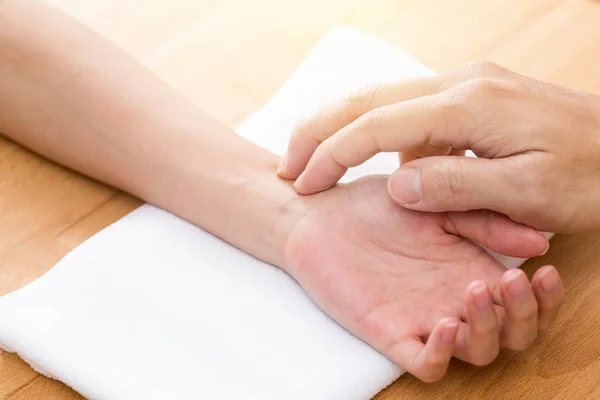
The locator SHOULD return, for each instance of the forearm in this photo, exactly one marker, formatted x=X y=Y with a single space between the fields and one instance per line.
x=73 y=97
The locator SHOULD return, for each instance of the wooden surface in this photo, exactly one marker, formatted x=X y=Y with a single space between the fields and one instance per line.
x=229 y=56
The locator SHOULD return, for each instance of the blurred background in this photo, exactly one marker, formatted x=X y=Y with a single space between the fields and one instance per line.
x=229 y=56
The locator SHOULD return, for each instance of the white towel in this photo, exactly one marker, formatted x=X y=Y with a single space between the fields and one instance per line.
x=153 y=307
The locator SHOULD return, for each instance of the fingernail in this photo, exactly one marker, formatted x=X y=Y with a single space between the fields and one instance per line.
x=449 y=332
x=547 y=247
x=405 y=185
x=517 y=286
x=281 y=167
x=482 y=297
x=549 y=280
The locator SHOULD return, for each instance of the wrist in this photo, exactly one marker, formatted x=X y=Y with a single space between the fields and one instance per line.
x=281 y=210
x=269 y=209
x=232 y=192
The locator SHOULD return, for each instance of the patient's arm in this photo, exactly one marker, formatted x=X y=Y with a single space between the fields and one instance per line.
x=386 y=274
x=70 y=95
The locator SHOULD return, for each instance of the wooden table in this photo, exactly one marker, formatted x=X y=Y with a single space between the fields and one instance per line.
x=229 y=56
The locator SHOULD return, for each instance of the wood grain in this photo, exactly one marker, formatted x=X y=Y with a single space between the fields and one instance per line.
x=228 y=57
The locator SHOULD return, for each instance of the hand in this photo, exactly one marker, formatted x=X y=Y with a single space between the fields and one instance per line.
x=395 y=277
x=538 y=146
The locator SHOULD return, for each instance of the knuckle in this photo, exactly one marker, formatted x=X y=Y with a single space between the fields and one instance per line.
x=306 y=132
x=474 y=69
x=528 y=181
x=477 y=88
x=449 y=181
x=363 y=98
x=480 y=68
x=374 y=117
x=473 y=103
x=452 y=111
x=365 y=128
x=454 y=183
x=486 y=328
x=453 y=103
x=485 y=88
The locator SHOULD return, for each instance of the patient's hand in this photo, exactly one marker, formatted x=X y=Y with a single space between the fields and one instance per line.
x=397 y=278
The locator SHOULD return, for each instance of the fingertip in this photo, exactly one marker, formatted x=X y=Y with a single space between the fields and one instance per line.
x=548 y=287
x=283 y=173
x=438 y=351
x=515 y=283
x=286 y=175
x=405 y=157
x=479 y=297
x=547 y=244
x=297 y=186
x=513 y=239
x=281 y=167
x=538 y=243
x=549 y=291
x=549 y=279
x=300 y=186
x=404 y=186
x=321 y=174
x=448 y=329
x=283 y=170
x=476 y=287
x=428 y=362
x=291 y=166
x=478 y=337
x=512 y=274
x=305 y=187
x=521 y=325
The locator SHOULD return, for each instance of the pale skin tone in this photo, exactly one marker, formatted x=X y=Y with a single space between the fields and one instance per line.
x=406 y=282
x=538 y=145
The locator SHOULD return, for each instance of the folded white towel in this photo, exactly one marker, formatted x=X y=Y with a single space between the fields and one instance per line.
x=155 y=308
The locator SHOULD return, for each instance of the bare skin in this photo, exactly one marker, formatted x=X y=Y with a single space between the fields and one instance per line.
x=538 y=145
x=75 y=98
x=395 y=277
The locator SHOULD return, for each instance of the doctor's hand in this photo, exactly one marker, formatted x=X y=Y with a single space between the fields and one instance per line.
x=538 y=146
x=411 y=285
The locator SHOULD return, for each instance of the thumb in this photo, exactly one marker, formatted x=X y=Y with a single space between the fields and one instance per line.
x=454 y=183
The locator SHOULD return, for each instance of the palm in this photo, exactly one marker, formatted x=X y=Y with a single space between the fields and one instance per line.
x=383 y=272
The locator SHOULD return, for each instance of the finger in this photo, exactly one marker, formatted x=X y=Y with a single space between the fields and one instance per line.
x=519 y=328
x=309 y=134
x=426 y=150
x=449 y=117
x=406 y=157
x=428 y=362
x=549 y=292
x=397 y=127
x=496 y=232
x=437 y=184
x=478 y=340
x=497 y=297
x=455 y=152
